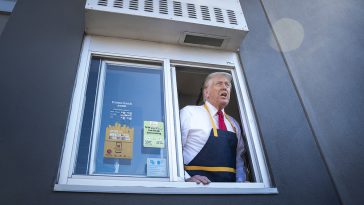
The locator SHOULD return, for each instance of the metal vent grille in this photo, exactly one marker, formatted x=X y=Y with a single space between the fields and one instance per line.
x=148 y=5
x=119 y=3
x=218 y=15
x=203 y=40
x=133 y=4
x=205 y=13
x=102 y=3
x=180 y=10
x=232 y=17
x=163 y=6
x=177 y=8
x=191 y=11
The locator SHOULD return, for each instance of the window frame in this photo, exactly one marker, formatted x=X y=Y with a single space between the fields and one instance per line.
x=7 y=6
x=98 y=111
x=169 y=57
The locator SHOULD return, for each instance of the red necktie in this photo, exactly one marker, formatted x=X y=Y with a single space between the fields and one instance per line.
x=222 y=125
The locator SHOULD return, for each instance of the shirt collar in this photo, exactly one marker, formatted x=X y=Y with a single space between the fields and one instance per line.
x=212 y=108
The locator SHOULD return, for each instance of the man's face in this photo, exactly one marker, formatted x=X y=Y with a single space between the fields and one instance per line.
x=217 y=92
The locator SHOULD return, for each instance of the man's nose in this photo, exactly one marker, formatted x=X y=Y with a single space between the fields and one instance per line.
x=224 y=86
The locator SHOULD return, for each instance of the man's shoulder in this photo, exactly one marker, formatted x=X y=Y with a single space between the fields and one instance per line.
x=191 y=109
x=231 y=118
x=235 y=122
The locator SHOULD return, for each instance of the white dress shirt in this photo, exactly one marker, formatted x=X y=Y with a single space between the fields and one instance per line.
x=196 y=128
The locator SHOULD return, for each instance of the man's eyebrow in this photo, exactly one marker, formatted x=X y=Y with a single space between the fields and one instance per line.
x=225 y=82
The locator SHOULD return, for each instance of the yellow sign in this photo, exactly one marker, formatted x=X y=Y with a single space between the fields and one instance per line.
x=119 y=142
x=153 y=134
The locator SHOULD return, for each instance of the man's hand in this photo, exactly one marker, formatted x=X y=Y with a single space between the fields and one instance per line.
x=199 y=179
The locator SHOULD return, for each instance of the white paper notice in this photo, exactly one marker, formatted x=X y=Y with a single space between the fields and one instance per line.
x=156 y=167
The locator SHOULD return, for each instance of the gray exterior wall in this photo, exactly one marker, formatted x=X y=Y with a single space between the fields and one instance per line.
x=5 y=10
x=307 y=103
x=3 y=20
x=328 y=70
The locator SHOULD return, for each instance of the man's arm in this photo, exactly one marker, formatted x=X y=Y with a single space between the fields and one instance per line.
x=185 y=119
x=240 y=170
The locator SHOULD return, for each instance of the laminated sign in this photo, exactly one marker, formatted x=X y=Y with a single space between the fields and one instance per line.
x=153 y=134
x=119 y=141
x=156 y=167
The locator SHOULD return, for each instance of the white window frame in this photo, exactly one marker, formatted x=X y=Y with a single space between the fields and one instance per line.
x=168 y=56
x=98 y=110
x=7 y=6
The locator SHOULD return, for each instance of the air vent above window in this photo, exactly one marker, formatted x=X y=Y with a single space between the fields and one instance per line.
x=209 y=23
x=191 y=11
x=133 y=4
x=232 y=17
x=102 y=3
x=163 y=6
x=119 y=3
x=148 y=5
x=205 y=13
x=203 y=40
x=181 y=10
x=218 y=15
x=177 y=8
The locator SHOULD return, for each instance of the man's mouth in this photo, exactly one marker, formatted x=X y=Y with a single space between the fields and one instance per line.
x=223 y=94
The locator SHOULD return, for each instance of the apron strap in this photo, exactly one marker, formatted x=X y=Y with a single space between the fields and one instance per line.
x=213 y=123
x=210 y=169
x=230 y=121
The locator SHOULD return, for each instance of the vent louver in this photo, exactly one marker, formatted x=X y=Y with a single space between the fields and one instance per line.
x=208 y=23
x=133 y=4
x=119 y=3
x=218 y=15
x=148 y=5
x=177 y=8
x=191 y=11
x=180 y=9
x=205 y=13
x=163 y=7
x=232 y=17
x=102 y=3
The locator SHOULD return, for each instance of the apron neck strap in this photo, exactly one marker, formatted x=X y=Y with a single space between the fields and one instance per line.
x=213 y=123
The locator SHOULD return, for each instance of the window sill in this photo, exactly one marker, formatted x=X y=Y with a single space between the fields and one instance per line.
x=171 y=188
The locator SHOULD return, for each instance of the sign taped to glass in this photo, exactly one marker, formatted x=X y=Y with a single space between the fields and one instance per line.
x=153 y=134
x=119 y=142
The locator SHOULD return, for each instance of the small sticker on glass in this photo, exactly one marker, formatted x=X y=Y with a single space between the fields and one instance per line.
x=156 y=167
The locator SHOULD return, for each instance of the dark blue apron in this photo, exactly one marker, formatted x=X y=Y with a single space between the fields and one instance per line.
x=217 y=159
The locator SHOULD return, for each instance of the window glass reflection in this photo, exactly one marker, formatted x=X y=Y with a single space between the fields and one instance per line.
x=131 y=138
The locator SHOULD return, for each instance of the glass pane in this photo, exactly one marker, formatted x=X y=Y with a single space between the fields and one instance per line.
x=88 y=111
x=131 y=139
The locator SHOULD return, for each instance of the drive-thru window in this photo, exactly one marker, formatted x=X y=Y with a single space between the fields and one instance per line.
x=124 y=132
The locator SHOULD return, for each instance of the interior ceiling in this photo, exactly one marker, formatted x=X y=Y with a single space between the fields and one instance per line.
x=190 y=82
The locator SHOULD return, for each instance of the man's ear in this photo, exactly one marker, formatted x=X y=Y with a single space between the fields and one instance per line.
x=205 y=93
